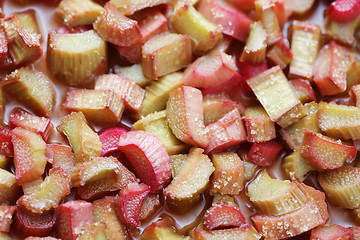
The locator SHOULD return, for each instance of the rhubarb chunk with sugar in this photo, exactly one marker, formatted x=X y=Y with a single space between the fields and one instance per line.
x=275 y=197
x=33 y=88
x=49 y=194
x=342 y=32
x=355 y=95
x=277 y=97
x=135 y=73
x=322 y=152
x=73 y=219
x=60 y=156
x=330 y=69
x=226 y=132
x=129 y=7
x=343 y=11
x=300 y=8
x=255 y=48
x=6 y=147
x=264 y=154
x=95 y=231
x=342 y=186
x=185 y=115
x=162 y=229
x=83 y=140
x=280 y=53
x=29 y=155
x=9 y=190
x=128 y=203
x=330 y=232
x=100 y=106
x=303 y=90
x=24 y=119
x=78 y=12
x=6 y=215
x=149 y=158
x=109 y=139
x=114 y=27
x=126 y=89
x=85 y=50
x=190 y=181
x=295 y=166
x=187 y=20
x=149 y=206
x=166 y=53
x=301 y=66
x=246 y=232
x=222 y=216
x=209 y=70
x=228 y=177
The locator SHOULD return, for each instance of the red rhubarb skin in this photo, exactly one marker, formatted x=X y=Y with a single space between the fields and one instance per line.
x=343 y=11
x=222 y=216
x=110 y=139
x=6 y=147
x=264 y=153
x=331 y=232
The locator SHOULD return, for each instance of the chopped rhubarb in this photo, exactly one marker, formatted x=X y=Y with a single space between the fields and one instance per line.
x=31 y=224
x=342 y=32
x=60 y=156
x=73 y=219
x=235 y=23
x=24 y=119
x=177 y=161
x=243 y=4
x=209 y=70
x=343 y=10
x=30 y=187
x=161 y=229
x=280 y=53
x=303 y=89
x=185 y=116
x=149 y=205
x=301 y=8
x=135 y=73
x=228 y=177
x=83 y=140
x=330 y=232
x=6 y=215
x=128 y=203
x=248 y=70
x=6 y=147
x=109 y=139
x=226 y=132
x=355 y=95
x=49 y=194
x=148 y=156
x=9 y=190
x=29 y=155
x=29 y=19
x=3 y=46
x=129 y=7
x=295 y=166
x=166 y=53
x=255 y=48
x=126 y=89
x=95 y=231
x=33 y=88
x=220 y=216
x=100 y=106
x=5 y=236
x=4 y=161
x=245 y=232
x=264 y=153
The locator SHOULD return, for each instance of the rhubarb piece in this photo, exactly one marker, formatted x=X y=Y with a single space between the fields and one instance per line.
x=126 y=89
x=83 y=140
x=78 y=12
x=60 y=156
x=191 y=180
x=49 y=194
x=31 y=224
x=107 y=108
x=277 y=97
x=330 y=232
x=104 y=211
x=128 y=203
x=157 y=93
x=235 y=23
x=3 y=46
x=29 y=155
x=109 y=139
x=226 y=132
x=343 y=10
x=258 y=124
x=220 y=216
x=295 y=166
x=186 y=20
x=97 y=168
x=281 y=9
x=322 y=152
x=304 y=56
x=6 y=147
x=330 y=69
x=29 y=19
x=30 y=187
x=2 y=106
x=355 y=232
x=95 y=231
x=228 y=177
x=246 y=232
x=4 y=161
x=162 y=229
x=243 y=4
x=255 y=48
x=209 y=70
x=6 y=215
x=342 y=32
x=149 y=205
x=73 y=219
x=85 y=51
x=100 y=188
x=185 y=116
x=264 y=154
x=149 y=158
x=339 y=121
x=9 y=190
x=33 y=88
x=275 y=197
x=135 y=73
x=165 y=53
x=23 y=44
x=303 y=90
x=301 y=8
x=177 y=162
x=250 y=169
x=355 y=95
x=280 y=53
x=128 y=7
x=24 y=119
x=215 y=107
x=156 y=123
x=290 y=224
x=342 y=186
x=114 y=27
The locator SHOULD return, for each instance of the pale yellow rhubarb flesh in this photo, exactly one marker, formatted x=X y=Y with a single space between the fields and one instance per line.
x=255 y=48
